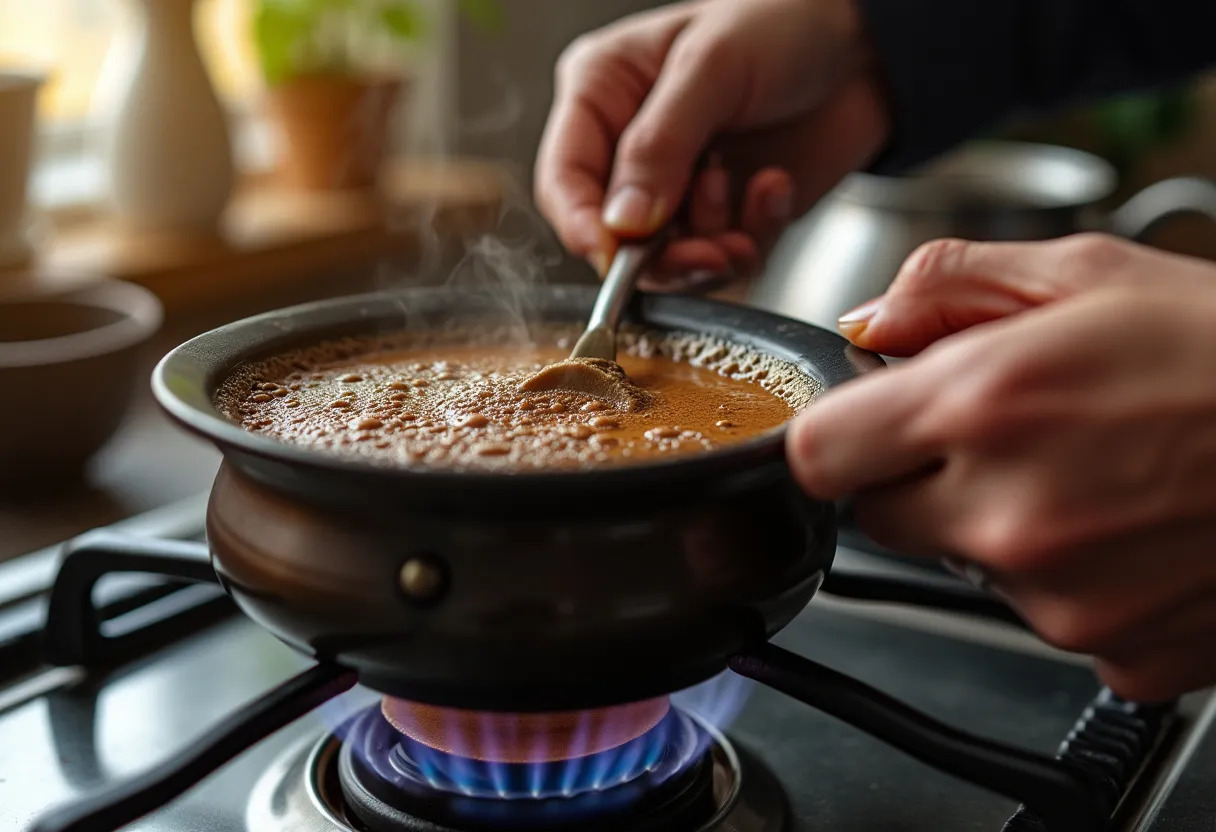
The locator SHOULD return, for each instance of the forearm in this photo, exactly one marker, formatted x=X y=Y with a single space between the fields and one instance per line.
x=955 y=67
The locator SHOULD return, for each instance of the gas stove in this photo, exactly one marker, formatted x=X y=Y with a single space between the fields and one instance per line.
x=125 y=695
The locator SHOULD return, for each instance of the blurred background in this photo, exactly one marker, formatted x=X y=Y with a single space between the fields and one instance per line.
x=170 y=165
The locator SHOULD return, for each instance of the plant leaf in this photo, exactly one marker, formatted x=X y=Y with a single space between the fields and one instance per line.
x=277 y=30
x=486 y=14
x=402 y=21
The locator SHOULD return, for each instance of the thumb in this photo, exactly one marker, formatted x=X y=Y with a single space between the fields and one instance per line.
x=947 y=286
x=660 y=148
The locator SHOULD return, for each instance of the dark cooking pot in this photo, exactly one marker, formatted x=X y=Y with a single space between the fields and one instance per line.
x=529 y=591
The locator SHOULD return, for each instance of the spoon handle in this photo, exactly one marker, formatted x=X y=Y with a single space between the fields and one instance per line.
x=619 y=283
x=631 y=258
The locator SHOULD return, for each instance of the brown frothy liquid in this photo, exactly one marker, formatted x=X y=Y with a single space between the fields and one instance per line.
x=456 y=401
x=523 y=738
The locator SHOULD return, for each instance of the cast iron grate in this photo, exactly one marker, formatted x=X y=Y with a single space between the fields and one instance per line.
x=1080 y=789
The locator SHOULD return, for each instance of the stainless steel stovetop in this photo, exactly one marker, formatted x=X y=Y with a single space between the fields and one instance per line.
x=67 y=733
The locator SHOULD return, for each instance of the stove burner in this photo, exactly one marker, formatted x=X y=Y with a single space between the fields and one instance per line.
x=303 y=791
x=388 y=778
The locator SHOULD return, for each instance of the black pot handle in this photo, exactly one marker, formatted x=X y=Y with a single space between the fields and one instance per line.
x=1069 y=794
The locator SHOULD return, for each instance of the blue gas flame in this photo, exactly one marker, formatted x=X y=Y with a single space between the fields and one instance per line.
x=659 y=753
x=716 y=702
x=611 y=777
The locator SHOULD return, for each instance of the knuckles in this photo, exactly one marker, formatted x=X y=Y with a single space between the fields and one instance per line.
x=648 y=142
x=1087 y=257
x=980 y=404
x=1092 y=256
x=703 y=55
x=1014 y=533
x=578 y=56
x=999 y=537
x=930 y=264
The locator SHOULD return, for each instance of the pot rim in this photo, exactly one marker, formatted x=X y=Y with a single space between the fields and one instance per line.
x=185 y=380
x=141 y=315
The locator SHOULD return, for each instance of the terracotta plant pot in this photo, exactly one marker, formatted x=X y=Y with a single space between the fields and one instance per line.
x=334 y=129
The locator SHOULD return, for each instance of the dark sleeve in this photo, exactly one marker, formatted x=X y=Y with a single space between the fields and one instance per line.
x=956 y=67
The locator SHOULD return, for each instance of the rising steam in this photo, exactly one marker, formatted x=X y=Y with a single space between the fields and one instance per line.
x=498 y=271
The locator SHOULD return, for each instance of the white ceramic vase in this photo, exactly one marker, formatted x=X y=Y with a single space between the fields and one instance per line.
x=18 y=103
x=164 y=131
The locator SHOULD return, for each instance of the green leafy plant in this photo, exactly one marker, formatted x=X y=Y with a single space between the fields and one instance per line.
x=302 y=37
x=1124 y=130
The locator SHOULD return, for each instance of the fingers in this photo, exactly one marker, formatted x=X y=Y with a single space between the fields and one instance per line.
x=950 y=285
x=821 y=149
x=575 y=154
x=1162 y=674
x=1118 y=593
x=689 y=264
x=709 y=203
x=601 y=81
x=714 y=248
x=743 y=252
x=865 y=434
x=768 y=206
x=688 y=104
x=1143 y=610
x=688 y=256
x=914 y=516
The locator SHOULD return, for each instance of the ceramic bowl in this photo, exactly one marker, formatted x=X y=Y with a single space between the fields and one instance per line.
x=69 y=365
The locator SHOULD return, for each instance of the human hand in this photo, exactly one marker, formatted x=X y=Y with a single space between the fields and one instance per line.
x=1068 y=450
x=781 y=91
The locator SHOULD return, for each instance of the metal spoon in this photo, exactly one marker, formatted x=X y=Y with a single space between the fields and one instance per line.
x=599 y=339
x=591 y=367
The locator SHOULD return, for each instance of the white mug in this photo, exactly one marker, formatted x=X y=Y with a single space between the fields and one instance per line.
x=18 y=104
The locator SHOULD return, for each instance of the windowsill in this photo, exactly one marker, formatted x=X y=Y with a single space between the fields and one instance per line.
x=272 y=239
x=70 y=179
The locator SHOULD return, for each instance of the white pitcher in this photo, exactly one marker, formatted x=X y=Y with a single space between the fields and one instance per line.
x=18 y=100
x=851 y=246
x=164 y=131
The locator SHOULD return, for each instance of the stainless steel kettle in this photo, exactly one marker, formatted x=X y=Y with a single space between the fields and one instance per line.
x=851 y=246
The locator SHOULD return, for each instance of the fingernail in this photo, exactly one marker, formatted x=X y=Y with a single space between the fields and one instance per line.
x=600 y=262
x=633 y=211
x=853 y=323
x=780 y=205
x=716 y=188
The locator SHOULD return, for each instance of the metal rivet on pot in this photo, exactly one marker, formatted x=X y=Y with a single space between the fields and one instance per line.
x=421 y=579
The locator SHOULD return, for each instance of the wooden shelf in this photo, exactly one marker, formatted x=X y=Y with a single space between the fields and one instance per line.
x=271 y=236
